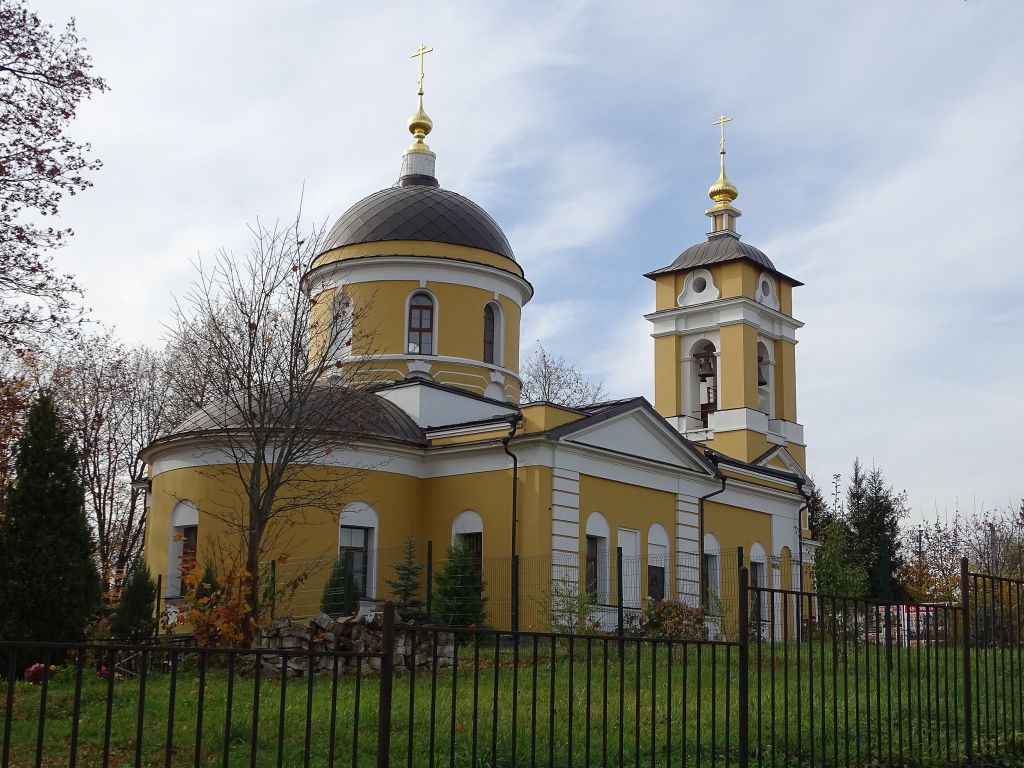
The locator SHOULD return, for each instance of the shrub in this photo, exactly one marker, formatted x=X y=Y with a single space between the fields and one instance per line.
x=459 y=600
x=341 y=594
x=406 y=585
x=134 y=620
x=217 y=612
x=673 y=620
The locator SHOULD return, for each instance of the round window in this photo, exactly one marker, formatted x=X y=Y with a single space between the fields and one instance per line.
x=699 y=284
x=765 y=288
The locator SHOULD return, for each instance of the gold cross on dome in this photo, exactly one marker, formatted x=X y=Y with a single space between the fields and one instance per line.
x=421 y=52
x=721 y=121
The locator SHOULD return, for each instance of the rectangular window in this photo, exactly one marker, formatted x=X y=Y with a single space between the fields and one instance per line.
x=356 y=543
x=475 y=543
x=711 y=581
x=656 y=582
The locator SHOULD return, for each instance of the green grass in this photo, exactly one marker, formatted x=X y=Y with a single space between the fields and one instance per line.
x=917 y=709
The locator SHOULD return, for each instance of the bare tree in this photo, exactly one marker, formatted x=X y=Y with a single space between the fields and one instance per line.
x=115 y=400
x=269 y=371
x=43 y=77
x=549 y=378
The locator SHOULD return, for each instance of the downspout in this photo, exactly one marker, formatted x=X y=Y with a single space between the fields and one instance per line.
x=799 y=529
x=513 y=426
x=710 y=456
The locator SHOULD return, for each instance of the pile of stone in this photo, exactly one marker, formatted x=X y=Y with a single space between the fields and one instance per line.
x=346 y=638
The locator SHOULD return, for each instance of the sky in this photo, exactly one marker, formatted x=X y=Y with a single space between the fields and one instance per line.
x=877 y=147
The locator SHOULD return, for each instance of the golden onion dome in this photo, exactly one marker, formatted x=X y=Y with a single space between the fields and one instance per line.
x=723 y=191
x=420 y=123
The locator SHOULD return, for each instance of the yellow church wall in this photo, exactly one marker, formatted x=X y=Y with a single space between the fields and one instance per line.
x=419 y=248
x=511 y=323
x=785 y=297
x=740 y=444
x=785 y=380
x=667 y=373
x=667 y=289
x=626 y=506
x=734 y=527
x=474 y=438
x=738 y=366
x=380 y=307
x=798 y=452
x=544 y=416
x=736 y=278
x=216 y=493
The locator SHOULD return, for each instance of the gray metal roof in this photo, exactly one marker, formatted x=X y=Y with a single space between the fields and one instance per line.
x=715 y=250
x=419 y=210
x=353 y=413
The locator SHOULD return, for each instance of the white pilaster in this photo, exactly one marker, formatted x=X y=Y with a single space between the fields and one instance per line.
x=565 y=525
x=687 y=549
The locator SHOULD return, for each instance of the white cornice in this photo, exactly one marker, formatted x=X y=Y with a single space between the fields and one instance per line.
x=371 y=269
x=438 y=359
x=699 y=318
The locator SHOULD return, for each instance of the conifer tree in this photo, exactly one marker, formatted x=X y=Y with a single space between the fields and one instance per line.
x=49 y=583
x=460 y=600
x=134 y=620
x=406 y=584
x=341 y=594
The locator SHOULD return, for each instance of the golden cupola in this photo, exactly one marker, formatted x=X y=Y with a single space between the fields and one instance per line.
x=723 y=192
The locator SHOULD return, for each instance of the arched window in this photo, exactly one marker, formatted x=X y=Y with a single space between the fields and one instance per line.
x=597 y=566
x=657 y=563
x=710 y=576
x=421 y=324
x=183 y=545
x=491 y=335
x=704 y=383
x=759 y=577
x=357 y=539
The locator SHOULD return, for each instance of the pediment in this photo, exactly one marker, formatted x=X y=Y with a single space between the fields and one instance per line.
x=780 y=458
x=638 y=432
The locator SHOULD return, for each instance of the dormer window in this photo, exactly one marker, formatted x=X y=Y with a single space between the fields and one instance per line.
x=421 y=325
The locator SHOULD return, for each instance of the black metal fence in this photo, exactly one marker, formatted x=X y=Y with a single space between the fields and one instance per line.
x=798 y=678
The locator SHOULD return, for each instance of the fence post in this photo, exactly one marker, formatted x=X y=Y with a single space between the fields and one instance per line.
x=618 y=585
x=515 y=593
x=744 y=669
x=430 y=582
x=965 y=608
x=387 y=675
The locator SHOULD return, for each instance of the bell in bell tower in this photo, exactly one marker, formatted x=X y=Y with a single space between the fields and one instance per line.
x=725 y=339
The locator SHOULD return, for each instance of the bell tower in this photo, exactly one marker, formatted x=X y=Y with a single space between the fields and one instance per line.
x=725 y=340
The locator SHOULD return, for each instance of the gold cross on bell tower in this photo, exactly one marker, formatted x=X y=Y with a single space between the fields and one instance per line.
x=421 y=52
x=721 y=121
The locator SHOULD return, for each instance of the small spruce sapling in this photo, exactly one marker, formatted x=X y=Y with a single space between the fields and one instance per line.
x=134 y=620
x=341 y=594
x=406 y=585
x=460 y=600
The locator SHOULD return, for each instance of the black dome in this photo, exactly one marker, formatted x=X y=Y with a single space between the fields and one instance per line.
x=418 y=211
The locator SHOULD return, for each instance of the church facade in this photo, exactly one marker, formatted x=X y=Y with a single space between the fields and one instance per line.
x=715 y=464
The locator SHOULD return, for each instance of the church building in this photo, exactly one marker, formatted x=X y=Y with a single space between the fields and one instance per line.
x=715 y=464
